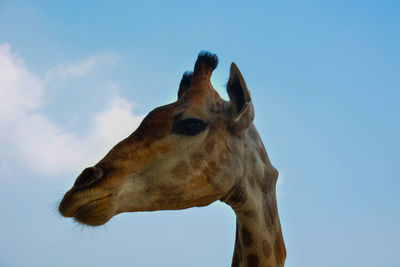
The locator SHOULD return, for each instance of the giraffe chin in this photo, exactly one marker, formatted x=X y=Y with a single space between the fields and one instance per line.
x=95 y=213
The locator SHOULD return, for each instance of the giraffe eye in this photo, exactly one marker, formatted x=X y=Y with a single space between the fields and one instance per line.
x=189 y=127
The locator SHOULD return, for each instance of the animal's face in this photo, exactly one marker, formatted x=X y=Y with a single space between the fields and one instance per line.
x=180 y=156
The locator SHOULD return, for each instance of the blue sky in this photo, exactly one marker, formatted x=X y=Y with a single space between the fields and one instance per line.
x=324 y=78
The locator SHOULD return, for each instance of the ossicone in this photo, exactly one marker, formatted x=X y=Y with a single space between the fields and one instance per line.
x=205 y=64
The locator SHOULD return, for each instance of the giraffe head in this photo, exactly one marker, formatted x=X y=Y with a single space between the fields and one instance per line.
x=182 y=155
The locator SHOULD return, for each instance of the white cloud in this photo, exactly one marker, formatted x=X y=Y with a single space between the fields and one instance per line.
x=20 y=91
x=81 y=68
x=39 y=143
x=43 y=147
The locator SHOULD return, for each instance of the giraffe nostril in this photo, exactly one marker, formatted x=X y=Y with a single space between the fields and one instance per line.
x=88 y=176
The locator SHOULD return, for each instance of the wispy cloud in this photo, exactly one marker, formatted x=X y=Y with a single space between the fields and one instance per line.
x=33 y=139
x=81 y=67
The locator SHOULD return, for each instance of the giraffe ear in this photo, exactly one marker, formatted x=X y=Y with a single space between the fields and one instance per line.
x=241 y=107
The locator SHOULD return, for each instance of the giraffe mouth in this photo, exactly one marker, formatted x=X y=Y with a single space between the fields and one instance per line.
x=95 y=212
x=92 y=203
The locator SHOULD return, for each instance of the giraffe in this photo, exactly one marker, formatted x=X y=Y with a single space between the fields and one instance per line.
x=190 y=153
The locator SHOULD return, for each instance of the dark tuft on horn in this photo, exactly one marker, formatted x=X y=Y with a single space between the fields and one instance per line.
x=185 y=83
x=208 y=60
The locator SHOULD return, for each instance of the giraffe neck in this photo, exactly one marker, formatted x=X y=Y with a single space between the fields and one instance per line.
x=259 y=240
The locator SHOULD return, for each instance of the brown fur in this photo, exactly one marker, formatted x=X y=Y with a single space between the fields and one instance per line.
x=246 y=237
x=280 y=251
x=267 y=249
x=252 y=260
